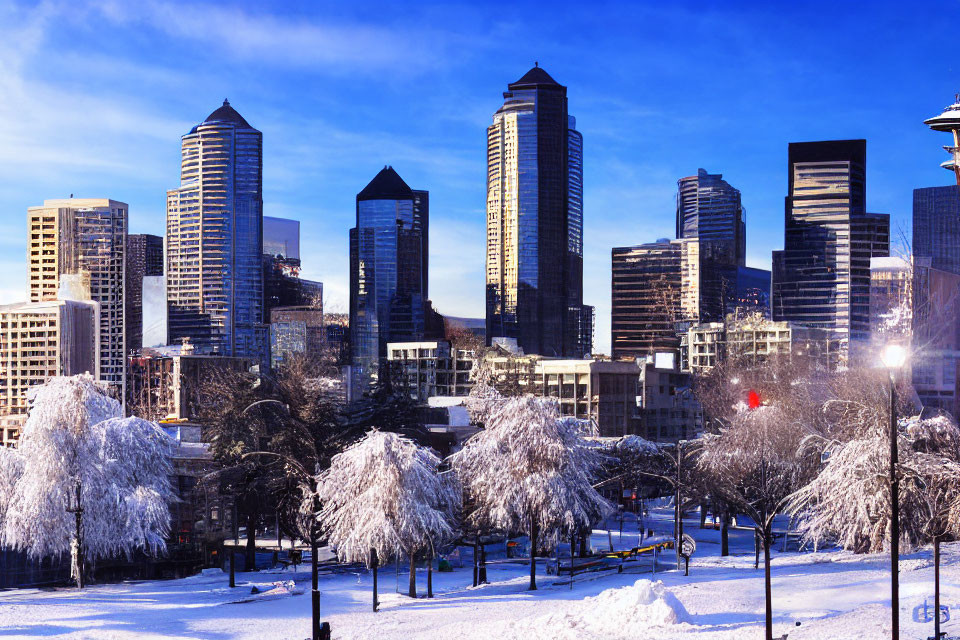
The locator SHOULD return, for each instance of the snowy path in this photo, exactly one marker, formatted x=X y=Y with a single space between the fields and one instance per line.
x=833 y=595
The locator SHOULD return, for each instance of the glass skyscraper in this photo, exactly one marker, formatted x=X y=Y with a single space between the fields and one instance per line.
x=936 y=226
x=711 y=215
x=709 y=209
x=215 y=239
x=822 y=277
x=647 y=288
x=388 y=274
x=534 y=278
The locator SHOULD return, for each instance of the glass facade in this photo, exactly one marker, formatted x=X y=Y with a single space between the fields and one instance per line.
x=709 y=209
x=144 y=259
x=535 y=221
x=281 y=237
x=646 y=298
x=215 y=239
x=936 y=227
x=822 y=277
x=388 y=274
x=82 y=242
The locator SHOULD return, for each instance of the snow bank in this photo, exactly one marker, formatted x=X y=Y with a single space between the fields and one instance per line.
x=613 y=614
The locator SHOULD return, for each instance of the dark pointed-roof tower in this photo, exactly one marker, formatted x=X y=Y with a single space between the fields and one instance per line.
x=386 y=185
x=536 y=77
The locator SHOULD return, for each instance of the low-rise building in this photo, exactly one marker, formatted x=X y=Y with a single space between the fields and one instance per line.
x=753 y=339
x=38 y=341
x=430 y=369
x=165 y=383
x=667 y=409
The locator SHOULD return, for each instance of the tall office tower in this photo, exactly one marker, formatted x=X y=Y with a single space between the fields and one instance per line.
x=215 y=239
x=710 y=214
x=388 y=274
x=709 y=210
x=144 y=259
x=535 y=221
x=647 y=285
x=39 y=340
x=77 y=251
x=949 y=122
x=822 y=277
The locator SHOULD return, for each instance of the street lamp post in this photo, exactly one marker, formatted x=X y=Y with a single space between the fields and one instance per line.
x=319 y=630
x=893 y=357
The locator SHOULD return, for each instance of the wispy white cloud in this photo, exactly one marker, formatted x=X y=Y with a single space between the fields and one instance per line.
x=262 y=37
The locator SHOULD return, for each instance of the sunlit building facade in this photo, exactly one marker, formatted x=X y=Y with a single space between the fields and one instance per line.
x=40 y=340
x=77 y=250
x=214 y=239
x=647 y=296
x=534 y=262
x=821 y=278
x=710 y=210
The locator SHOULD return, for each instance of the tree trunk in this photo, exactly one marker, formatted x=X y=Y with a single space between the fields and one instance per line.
x=724 y=535
x=482 y=574
x=534 y=534
x=584 y=536
x=250 y=559
x=936 y=587
x=412 y=589
x=703 y=514
x=314 y=584
x=430 y=575
x=476 y=561
x=756 y=550
x=766 y=584
x=374 y=561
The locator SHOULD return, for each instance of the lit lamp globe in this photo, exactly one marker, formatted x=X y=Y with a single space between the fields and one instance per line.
x=893 y=356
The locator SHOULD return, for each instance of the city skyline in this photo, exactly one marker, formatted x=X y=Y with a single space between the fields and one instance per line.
x=643 y=125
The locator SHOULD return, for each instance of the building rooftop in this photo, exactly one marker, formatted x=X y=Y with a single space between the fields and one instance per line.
x=225 y=114
x=891 y=263
x=386 y=185
x=534 y=78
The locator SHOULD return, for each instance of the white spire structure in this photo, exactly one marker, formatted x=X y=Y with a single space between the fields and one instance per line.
x=949 y=121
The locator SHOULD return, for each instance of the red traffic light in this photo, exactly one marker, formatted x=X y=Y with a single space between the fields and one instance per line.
x=753 y=399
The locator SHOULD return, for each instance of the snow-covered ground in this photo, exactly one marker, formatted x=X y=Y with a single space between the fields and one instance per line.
x=831 y=595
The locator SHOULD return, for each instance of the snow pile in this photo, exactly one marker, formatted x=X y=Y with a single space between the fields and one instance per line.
x=613 y=614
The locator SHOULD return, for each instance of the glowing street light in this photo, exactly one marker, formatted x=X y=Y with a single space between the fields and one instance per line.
x=893 y=357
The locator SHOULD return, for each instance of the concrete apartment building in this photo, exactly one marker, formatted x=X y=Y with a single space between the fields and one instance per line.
x=165 y=385
x=667 y=410
x=84 y=238
x=430 y=369
x=754 y=338
x=38 y=341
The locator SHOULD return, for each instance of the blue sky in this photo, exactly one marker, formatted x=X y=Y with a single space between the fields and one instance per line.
x=94 y=97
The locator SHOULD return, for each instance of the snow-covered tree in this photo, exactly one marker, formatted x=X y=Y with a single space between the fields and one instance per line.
x=755 y=465
x=484 y=397
x=75 y=443
x=528 y=470
x=386 y=493
x=849 y=500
